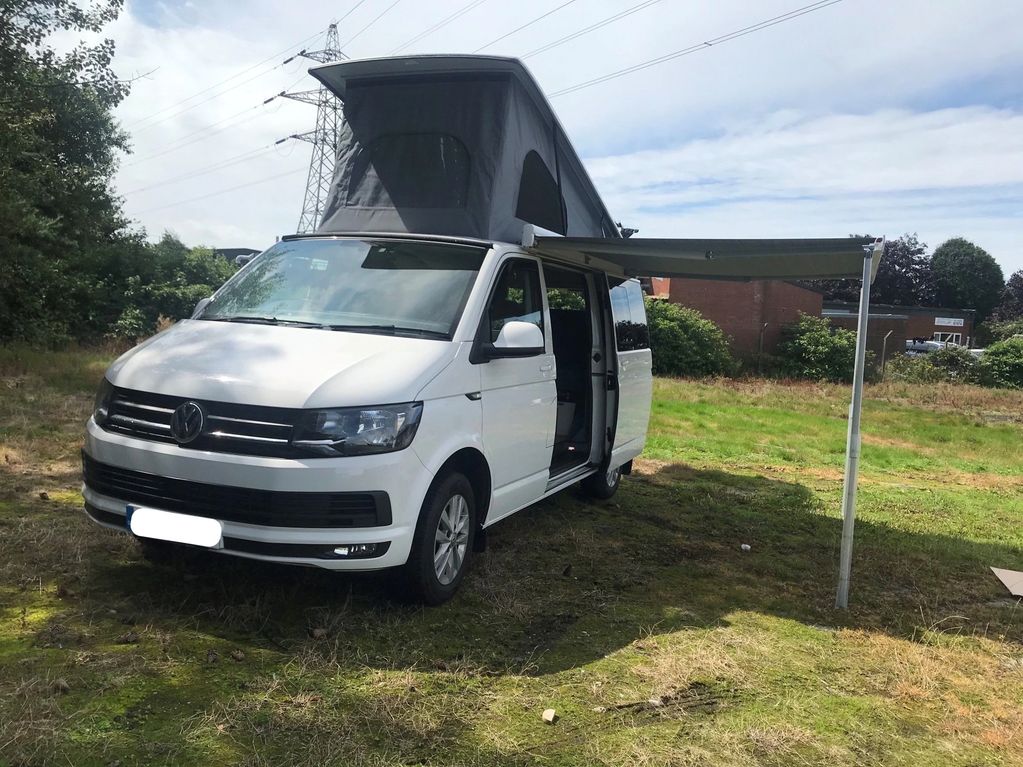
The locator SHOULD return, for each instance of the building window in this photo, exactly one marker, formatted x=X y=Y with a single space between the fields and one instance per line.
x=949 y=338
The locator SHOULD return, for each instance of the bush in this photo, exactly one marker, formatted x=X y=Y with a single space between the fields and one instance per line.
x=684 y=343
x=1002 y=364
x=955 y=364
x=812 y=348
x=992 y=332
x=913 y=370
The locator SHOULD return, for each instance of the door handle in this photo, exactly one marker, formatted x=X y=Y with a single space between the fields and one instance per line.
x=546 y=368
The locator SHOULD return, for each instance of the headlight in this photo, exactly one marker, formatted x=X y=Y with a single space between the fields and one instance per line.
x=358 y=431
x=101 y=407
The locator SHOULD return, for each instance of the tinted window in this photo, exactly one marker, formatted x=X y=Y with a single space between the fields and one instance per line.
x=516 y=297
x=539 y=197
x=629 y=315
x=411 y=170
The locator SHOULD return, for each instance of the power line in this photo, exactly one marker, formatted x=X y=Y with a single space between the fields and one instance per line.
x=351 y=10
x=351 y=39
x=591 y=28
x=223 y=191
x=442 y=23
x=226 y=80
x=527 y=24
x=203 y=133
x=206 y=169
x=699 y=46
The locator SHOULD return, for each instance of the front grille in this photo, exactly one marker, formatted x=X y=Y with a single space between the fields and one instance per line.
x=273 y=508
x=230 y=428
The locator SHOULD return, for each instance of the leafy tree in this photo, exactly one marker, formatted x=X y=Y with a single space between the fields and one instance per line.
x=683 y=343
x=904 y=277
x=1011 y=305
x=966 y=277
x=812 y=348
x=61 y=229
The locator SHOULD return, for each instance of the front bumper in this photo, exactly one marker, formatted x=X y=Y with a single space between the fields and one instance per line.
x=401 y=475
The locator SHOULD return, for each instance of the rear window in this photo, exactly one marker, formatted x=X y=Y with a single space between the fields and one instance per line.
x=629 y=315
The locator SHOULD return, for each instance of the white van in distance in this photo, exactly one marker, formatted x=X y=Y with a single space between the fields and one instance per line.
x=358 y=403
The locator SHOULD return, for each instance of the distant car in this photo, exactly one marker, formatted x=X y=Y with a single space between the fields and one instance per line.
x=916 y=348
x=978 y=353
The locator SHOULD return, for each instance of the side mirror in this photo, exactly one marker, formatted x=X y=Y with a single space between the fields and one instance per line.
x=516 y=339
x=199 y=307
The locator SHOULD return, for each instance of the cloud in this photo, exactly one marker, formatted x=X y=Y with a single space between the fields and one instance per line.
x=942 y=173
x=841 y=120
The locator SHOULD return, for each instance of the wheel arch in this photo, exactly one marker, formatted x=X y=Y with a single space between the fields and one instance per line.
x=473 y=464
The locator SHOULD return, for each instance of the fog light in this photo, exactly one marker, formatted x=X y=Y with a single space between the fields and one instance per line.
x=356 y=550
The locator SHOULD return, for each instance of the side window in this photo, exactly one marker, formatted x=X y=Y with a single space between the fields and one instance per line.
x=629 y=316
x=516 y=297
x=640 y=334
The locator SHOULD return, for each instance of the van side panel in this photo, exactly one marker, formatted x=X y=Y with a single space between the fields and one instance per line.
x=635 y=371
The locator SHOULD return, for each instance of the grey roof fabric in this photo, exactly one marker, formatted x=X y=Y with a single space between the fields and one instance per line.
x=438 y=145
x=831 y=258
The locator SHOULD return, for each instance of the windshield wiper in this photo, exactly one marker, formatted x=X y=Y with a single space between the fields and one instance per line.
x=390 y=330
x=265 y=321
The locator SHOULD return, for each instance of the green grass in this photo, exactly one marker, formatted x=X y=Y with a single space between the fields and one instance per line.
x=657 y=640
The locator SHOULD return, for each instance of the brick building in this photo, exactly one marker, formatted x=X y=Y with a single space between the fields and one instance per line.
x=929 y=323
x=745 y=310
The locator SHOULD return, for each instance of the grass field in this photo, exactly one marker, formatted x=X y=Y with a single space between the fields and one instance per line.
x=641 y=621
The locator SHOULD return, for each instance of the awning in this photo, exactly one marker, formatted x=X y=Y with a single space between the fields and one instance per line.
x=789 y=259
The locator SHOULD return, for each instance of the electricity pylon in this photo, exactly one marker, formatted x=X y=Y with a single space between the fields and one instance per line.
x=323 y=137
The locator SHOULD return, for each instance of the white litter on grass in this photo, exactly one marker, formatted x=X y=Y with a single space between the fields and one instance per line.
x=1013 y=580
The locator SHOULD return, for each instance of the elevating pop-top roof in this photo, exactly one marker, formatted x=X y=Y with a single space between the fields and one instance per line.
x=454 y=145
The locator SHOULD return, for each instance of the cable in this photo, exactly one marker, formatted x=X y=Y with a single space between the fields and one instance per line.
x=226 y=80
x=591 y=28
x=699 y=46
x=209 y=169
x=208 y=131
x=224 y=191
x=442 y=23
x=350 y=12
x=527 y=24
x=356 y=35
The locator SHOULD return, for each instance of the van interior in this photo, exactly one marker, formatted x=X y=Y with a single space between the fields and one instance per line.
x=569 y=299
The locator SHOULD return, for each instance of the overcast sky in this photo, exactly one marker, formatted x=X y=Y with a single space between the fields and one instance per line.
x=867 y=116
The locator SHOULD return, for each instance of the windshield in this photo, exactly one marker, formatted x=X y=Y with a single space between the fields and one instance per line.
x=394 y=287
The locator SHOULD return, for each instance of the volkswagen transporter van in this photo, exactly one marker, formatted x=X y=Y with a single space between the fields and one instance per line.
x=378 y=393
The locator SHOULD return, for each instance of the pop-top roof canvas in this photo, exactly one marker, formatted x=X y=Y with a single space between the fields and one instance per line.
x=454 y=145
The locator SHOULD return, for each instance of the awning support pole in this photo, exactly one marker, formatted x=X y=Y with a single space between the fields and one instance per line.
x=852 y=447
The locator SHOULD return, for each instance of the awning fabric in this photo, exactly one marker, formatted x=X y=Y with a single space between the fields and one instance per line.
x=787 y=259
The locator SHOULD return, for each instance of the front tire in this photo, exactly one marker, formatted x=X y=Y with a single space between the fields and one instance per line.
x=603 y=484
x=442 y=546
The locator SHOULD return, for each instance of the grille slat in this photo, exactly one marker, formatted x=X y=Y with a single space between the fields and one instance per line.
x=230 y=428
x=272 y=508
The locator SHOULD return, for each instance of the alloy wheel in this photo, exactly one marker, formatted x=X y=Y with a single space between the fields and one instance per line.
x=451 y=540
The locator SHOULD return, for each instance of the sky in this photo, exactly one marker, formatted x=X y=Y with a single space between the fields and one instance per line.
x=864 y=116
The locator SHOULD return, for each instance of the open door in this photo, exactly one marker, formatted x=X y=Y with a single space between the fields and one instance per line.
x=630 y=386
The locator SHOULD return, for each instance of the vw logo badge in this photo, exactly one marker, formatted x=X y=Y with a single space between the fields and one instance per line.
x=187 y=422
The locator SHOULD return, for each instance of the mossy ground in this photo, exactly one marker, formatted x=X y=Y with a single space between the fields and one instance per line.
x=656 y=639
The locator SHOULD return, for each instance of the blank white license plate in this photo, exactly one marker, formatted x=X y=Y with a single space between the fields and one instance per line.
x=177 y=528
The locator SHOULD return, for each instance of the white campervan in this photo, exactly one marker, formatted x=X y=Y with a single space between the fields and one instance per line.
x=378 y=393
x=359 y=403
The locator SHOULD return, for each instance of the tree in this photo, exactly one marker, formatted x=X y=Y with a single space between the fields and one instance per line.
x=904 y=277
x=60 y=225
x=966 y=277
x=1010 y=307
